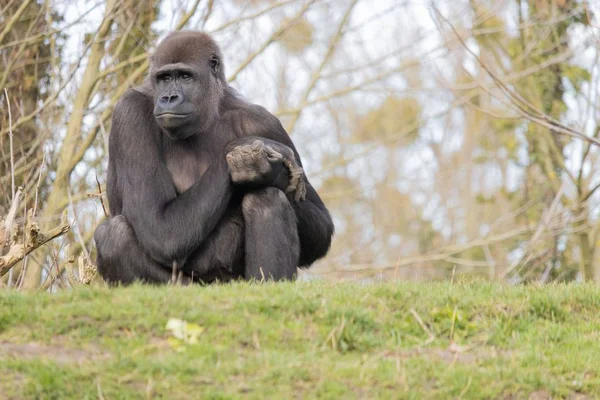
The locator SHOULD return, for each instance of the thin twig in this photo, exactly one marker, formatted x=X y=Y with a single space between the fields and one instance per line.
x=37 y=186
x=5 y=236
x=174 y=273
x=100 y=195
x=10 y=138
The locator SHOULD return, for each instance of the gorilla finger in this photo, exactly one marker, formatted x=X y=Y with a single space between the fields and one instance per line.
x=272 y=154
x=257 y=147
x=301 y=191
x=297 y=184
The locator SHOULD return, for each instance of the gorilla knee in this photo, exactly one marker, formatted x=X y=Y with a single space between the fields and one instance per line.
x=267 y=202
x=111 y=233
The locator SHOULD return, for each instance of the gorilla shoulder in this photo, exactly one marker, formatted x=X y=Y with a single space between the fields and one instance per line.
x=253 y=120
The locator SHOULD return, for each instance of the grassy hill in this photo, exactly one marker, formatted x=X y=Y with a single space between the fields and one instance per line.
x=303 y=340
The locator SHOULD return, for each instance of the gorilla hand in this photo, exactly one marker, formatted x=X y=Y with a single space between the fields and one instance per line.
x=271 y=164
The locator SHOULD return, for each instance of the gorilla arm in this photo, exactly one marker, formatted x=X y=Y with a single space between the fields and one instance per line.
x=315 y=227
x=168 y=227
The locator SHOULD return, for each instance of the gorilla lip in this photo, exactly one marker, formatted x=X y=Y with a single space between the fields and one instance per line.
x=171 y=115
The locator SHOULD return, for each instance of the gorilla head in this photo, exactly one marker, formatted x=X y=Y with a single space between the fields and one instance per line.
x=188 y=82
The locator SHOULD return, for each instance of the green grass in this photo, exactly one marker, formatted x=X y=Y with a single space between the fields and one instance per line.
x=304 y=340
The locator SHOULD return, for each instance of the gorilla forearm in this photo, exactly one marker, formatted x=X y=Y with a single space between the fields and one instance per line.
x=175 y=230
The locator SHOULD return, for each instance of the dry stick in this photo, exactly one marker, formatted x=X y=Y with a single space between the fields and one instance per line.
x=100 y=193
x=33 y=239
x=174 y=273
x=207 y=13
x=10 y=137
x=10 y=219
x=37 y=186
x=186 y=17
x=12 y=173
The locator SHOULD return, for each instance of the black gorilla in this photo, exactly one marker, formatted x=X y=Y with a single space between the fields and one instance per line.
x=201 y=178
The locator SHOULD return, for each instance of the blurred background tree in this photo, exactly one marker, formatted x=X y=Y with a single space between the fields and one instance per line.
x=447 y=138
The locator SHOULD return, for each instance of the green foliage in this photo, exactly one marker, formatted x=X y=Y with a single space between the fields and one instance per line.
x=575 y=74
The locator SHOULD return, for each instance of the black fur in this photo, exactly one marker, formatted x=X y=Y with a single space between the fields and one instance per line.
x=182 y=188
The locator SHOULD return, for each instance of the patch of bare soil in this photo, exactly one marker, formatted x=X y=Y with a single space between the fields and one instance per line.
x=52 y=352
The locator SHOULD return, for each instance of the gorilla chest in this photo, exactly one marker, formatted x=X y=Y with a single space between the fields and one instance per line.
x=186 y=165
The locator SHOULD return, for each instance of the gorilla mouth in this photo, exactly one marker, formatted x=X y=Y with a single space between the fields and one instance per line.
x=173 y=122
x=170 y=120
x=171 y=115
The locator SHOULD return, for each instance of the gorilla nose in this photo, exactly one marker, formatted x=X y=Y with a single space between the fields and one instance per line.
x=170 y=101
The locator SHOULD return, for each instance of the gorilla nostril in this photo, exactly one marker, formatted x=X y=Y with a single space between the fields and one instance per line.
x=174 y=98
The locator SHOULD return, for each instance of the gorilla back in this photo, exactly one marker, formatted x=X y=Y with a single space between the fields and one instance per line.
x=200 y=178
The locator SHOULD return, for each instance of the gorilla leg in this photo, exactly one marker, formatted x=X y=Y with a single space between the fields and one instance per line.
x=271 y=235
x=260 y=242
x=120 y=257
x=221 y=256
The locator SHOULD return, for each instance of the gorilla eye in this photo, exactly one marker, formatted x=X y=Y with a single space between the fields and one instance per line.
x=186 y=76
x=214 y=63
x=164 y=78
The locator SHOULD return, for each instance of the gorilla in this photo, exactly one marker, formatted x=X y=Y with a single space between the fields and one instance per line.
x=202 y=181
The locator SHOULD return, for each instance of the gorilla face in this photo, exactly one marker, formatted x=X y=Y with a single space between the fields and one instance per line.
x=176 y=108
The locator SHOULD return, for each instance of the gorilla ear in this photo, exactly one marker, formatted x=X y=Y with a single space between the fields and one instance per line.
x=215 y=64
